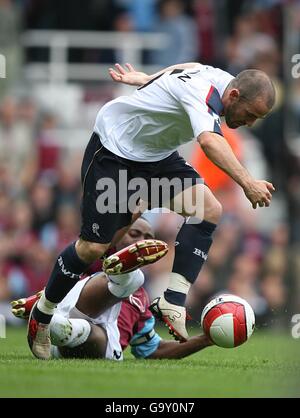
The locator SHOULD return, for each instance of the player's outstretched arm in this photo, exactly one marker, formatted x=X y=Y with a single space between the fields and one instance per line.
x=217 y=149
x=177 y=350
x=128 y=75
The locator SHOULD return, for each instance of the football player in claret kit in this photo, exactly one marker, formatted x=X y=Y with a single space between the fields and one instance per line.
x=92 y=323
x=139 y=135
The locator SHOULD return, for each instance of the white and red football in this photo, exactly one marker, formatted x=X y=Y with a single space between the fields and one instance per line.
x=228 y=321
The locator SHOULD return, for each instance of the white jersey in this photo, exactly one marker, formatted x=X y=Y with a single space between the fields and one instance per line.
x=167 y=112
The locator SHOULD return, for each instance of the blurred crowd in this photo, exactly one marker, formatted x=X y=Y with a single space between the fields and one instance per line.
x=255 y=255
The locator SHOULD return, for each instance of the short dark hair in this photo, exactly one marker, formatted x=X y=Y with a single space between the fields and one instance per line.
x=253 y=84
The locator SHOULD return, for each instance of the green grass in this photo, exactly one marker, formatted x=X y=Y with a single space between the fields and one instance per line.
x=268 y=365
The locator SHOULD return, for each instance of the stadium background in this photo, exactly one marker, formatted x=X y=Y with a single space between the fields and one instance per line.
x=57 y=54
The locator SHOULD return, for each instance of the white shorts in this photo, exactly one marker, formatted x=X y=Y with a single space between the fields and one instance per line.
x=108 y=320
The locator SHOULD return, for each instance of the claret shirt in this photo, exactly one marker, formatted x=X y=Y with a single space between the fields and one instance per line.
x=136 y=325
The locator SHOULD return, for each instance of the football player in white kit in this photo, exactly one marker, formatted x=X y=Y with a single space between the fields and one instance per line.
x=139 y=134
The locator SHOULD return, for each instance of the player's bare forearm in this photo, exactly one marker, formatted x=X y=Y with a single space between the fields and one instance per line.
x=217 y=149
x=128 y=75
x=220 y=153
x=176 y=350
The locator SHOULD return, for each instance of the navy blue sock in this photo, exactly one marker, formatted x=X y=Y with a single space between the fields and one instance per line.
x=64 y=276
x=191 y=249
x=177 y=298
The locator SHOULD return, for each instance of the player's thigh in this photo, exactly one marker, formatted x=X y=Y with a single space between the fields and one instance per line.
x=176 y=189
x=103 y=211
x=95 y=297
x=93 y=348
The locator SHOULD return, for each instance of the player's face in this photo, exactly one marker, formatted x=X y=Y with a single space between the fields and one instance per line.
x=141 y=229
x=240 y=112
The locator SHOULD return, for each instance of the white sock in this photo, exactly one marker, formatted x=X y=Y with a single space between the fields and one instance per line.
x=45 y=306
x=68 y=332
x=178 y=283
x=123 y=285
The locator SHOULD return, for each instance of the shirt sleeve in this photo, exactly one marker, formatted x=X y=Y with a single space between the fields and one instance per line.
x=201 y=101
x=127 y=320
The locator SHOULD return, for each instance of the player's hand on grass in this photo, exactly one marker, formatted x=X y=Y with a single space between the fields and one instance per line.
x=128 y=75
x=259 y=192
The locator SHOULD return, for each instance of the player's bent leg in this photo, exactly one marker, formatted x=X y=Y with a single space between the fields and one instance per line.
x=199 y=202
x=134 y=256
x=70 y=264
x=102 y=292
x=93 y=348
x=77 y=338
x=123 y=285
x=122 y=267
x=192 y=245
x=95 y=297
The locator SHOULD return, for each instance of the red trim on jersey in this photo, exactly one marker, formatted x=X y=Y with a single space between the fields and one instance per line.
x=208 y=96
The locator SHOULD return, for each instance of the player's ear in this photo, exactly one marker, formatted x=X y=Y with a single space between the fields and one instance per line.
x=234 y=94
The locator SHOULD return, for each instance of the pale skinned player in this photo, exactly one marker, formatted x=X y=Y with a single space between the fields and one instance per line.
x=140 y=134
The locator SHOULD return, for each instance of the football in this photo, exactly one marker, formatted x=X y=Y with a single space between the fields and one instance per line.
x=228 y=321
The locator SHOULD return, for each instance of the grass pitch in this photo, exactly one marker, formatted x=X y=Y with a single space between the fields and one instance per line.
x=268 y=365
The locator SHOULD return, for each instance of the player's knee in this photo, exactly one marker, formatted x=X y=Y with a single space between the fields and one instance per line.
x=69 y=332
x=213 y=211
x=90 y=251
